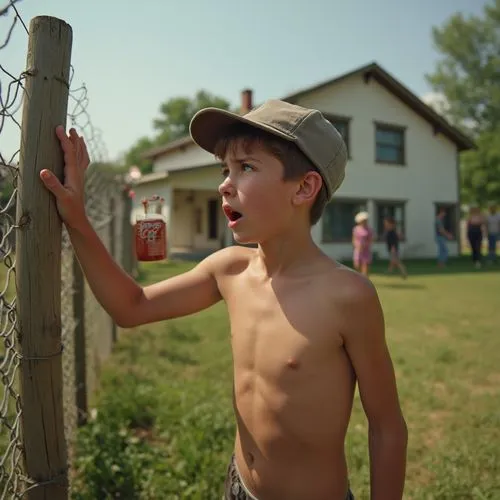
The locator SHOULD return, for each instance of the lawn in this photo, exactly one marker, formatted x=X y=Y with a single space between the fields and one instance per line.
x=164 y=424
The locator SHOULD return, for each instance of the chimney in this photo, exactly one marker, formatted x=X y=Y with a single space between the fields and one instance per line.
x=246 y=101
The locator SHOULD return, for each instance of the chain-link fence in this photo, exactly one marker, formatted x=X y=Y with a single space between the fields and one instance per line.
x=85 y=333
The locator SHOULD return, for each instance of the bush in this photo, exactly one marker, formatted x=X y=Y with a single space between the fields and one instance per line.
x=113 y=456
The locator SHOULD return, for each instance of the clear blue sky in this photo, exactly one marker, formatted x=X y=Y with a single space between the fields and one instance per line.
x=134 y=55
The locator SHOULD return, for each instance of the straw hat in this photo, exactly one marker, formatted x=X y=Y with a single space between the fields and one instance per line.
x=362 y=216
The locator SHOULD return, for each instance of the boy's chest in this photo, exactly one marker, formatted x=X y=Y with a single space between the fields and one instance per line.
x=280 y=329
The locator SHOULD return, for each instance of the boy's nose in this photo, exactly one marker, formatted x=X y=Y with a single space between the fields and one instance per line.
x=226 y=188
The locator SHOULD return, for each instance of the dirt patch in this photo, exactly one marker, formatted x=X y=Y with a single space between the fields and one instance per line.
x=440 y=388
x=494 y=379
x=433 y=433
x=490 y=387
x=437 y=330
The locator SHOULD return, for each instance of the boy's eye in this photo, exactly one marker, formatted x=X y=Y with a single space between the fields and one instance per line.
x=246 y=167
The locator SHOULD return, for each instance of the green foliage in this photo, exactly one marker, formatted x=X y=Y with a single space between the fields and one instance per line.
x=468 y=76
x=134 y=155
x=165 y=415
x=176 y=113
x=481 y=170
x=7 y=184
x=114 y=460
x=172 y=123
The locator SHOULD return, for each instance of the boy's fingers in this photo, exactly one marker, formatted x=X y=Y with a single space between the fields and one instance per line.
x=73 y=136
x=85 y=153
x=52 y=183
x=65 y=141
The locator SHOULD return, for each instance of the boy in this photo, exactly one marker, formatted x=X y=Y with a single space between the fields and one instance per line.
x=303 y=328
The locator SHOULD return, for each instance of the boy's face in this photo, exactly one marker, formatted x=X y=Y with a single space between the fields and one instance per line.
x=256 y=200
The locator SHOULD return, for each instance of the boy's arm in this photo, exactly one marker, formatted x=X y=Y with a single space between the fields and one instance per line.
x=364 y=340
x=126 y=302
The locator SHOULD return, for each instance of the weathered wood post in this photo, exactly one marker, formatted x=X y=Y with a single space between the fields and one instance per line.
x=38 y=260
x=112 y=250
x=81 y=396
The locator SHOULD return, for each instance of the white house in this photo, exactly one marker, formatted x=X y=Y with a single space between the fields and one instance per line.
x=403 y=161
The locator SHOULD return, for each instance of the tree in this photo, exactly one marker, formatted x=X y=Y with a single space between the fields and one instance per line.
x=134 y=155
x=481 y=170
x=176 y=113
x=468 y=75
x=173 y=123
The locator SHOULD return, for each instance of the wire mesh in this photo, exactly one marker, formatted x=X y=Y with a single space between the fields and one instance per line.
x=106 y=210
x=12 y=478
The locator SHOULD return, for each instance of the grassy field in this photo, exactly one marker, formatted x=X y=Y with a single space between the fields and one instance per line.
x=164 y=425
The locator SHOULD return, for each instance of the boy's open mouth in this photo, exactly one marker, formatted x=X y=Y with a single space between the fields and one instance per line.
x=231 y=214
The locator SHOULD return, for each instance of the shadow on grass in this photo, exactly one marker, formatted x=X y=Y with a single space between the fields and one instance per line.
x=402 y=286
x=416 y=267
x=423 y=267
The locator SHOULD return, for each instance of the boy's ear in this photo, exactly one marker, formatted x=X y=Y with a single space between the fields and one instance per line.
x=308 y=188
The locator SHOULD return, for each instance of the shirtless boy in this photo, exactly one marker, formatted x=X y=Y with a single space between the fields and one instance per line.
x=304 y=329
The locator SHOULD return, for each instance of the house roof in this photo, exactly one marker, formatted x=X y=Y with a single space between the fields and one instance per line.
x=152 y=177
x=381 y=76
x=170 y=146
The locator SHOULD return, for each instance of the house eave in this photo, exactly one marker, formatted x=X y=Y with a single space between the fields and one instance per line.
x=181 y=143
x=150 y=178
x=373 y=70
x=369 y=71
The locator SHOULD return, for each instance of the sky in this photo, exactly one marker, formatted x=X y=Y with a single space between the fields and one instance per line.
x=132 y=56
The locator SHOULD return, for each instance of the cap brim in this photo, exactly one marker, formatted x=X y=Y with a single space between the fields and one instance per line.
x=210 y=124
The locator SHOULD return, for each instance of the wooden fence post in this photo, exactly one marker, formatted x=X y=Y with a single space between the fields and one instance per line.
x=80 y=343
x=128 y=246
x=38 y=260
x=112 y=250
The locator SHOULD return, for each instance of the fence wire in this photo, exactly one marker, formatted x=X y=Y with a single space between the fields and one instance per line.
x=12 y=479
x=103 y=192
x=109 y=213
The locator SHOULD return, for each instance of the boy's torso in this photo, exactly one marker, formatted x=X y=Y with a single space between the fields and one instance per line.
x=293 y=382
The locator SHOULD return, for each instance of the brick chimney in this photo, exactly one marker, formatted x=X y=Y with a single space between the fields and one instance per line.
x=246 y=101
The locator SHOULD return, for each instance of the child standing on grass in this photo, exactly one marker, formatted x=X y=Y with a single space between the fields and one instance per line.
x=392 y=238
x=362 y=238
x=304 y=329
x=475 y=234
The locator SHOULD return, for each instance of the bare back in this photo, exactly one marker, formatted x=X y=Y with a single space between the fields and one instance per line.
x=293 y=382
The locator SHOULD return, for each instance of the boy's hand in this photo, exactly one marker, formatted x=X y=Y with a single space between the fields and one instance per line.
x=70 y=196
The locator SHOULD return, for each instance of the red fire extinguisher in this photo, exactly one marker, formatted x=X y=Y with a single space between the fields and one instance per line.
x=151 y=232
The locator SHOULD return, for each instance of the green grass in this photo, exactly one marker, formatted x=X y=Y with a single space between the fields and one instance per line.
x=165 y=414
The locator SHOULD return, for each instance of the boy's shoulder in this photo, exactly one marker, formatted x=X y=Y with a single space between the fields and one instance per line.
x=353 y=302
x=229 y=260
x=343 y=286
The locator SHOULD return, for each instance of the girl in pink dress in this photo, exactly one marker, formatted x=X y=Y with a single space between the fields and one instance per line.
x=362 y=237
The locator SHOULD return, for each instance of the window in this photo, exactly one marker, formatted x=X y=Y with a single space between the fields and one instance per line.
x=391 y=209
x=213 y=214
x=341 y=123
x=338 y=219
x=450 y=217
x=389 y=144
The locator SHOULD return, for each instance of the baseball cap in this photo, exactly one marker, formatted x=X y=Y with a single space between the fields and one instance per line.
x=313 y=134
